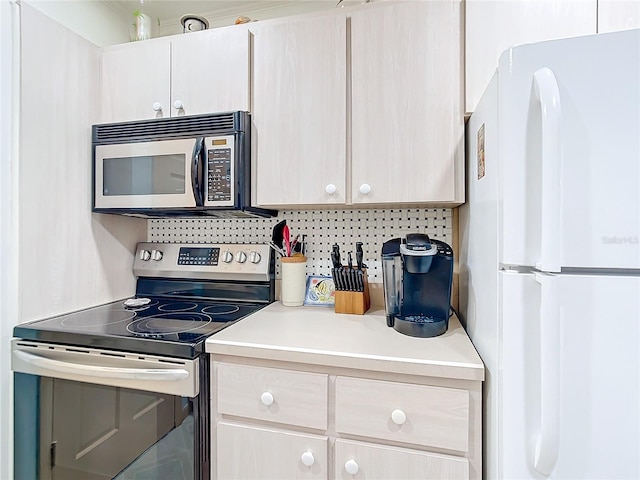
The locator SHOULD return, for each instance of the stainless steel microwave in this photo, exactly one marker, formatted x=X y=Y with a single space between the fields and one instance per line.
x=183 y=166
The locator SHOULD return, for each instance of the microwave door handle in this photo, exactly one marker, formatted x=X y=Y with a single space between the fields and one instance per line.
x=196 y=171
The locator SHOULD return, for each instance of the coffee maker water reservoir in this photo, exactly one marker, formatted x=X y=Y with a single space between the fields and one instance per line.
x=417 y=273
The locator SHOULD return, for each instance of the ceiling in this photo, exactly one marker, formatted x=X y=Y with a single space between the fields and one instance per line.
x=217 y=12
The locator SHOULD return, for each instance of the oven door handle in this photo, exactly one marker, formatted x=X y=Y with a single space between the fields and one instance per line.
x=155 y=374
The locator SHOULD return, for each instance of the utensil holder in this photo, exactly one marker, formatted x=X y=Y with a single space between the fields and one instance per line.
x=293 y=284
x=356 y=303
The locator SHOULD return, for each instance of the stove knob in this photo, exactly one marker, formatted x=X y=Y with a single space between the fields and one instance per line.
x=241 y=257
x=227 y=257
x=145 y=255
x=156 y=255
x=254 y=257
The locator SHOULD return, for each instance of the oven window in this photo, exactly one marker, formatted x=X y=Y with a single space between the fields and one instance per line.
x=97 y=432
x=144 y=175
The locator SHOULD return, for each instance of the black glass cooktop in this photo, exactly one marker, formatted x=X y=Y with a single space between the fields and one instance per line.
x=164 y=326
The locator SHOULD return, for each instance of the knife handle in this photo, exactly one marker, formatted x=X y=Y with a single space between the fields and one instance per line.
x=359 y=255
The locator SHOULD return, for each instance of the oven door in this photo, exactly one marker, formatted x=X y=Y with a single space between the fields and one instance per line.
x=144 y=175
x=79 y=415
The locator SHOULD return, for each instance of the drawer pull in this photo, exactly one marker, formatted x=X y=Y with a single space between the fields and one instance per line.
x=266 y=398
x=307 y=459
x=398 y=417
x=351 y=466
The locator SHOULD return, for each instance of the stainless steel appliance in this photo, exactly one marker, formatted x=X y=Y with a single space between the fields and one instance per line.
x=190 y=165
x=417 y=273
x=122 y=390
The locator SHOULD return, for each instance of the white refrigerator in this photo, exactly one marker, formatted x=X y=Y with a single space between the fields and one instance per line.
x=549 y=263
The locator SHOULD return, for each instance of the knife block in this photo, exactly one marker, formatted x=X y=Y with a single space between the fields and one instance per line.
x=356 y=303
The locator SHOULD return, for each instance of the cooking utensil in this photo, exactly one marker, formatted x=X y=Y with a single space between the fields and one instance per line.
x=277 y=233
x=286 y=240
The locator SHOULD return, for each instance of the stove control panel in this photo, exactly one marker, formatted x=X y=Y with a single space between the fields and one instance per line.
x=204 y=261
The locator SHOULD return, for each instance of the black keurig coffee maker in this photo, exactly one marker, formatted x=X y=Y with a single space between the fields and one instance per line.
x=417 y=273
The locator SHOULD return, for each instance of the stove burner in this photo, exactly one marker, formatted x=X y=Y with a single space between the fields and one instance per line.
x=98 y=319
x=169 y=323
x=221 y=309
x=177 y=307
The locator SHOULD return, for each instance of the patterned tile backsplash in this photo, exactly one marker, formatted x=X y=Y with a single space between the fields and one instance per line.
x=322 y=228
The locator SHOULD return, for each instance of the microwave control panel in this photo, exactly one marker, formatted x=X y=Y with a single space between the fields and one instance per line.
x=220 y=174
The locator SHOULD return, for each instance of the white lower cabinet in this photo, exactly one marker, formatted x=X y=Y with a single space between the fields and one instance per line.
x=250 y=452
x=275 y=420
x=359 y=460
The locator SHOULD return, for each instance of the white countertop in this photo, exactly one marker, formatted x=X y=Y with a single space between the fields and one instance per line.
x=317 y=335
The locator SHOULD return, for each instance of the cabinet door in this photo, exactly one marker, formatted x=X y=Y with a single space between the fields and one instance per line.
x=614 y=15
x=210 y=71
x=407 y=118
x=134 y=77
x=254 y=453
x=493 y=26
x=378 y=462
x=299 y=114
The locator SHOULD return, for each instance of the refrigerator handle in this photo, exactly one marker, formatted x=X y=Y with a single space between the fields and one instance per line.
x=547 y=441
x=548 y=95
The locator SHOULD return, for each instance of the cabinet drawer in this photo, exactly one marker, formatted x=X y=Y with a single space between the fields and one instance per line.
x=282 y=396
x=383 y=462
x=256 y=453
x=418 y=414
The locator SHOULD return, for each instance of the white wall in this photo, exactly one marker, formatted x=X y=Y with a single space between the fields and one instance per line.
x=8 y=235
x=90 y=19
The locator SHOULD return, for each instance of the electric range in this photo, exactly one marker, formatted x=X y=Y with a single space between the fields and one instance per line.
x=184 y=294
x=122 y=390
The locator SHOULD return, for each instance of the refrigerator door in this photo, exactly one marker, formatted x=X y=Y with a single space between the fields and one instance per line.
x=568 y=385
x=569 y=117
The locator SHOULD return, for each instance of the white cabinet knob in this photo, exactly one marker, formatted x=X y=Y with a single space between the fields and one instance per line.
x=178 y=104
x=398 y=417
x=157 y=107
x=365 y=188
x=351 y=466
x=307 y=458
x=266 y=398
x=330 y=189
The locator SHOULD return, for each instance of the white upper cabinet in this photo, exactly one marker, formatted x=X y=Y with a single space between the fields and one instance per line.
x=360 y=107
x=134 y=78
x=210 y=71
x=299 y=111
x=190 y=74
x=407 y=120
x=493 y=26
x=614 y=15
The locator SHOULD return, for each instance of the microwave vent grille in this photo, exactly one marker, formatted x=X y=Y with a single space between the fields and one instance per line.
x=165 y=128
